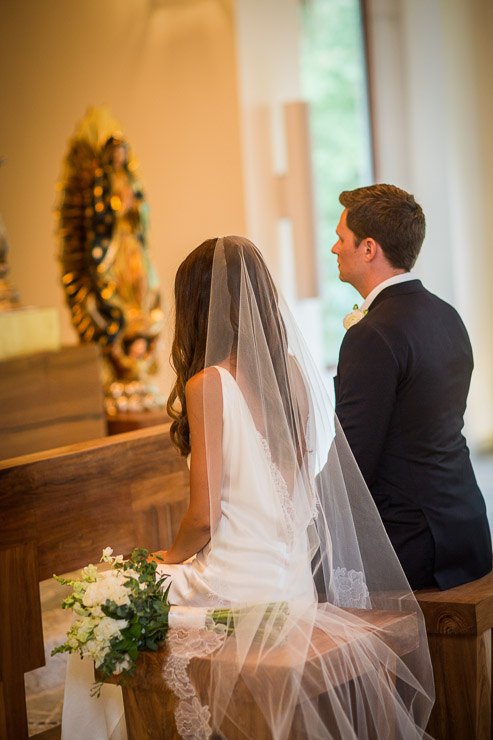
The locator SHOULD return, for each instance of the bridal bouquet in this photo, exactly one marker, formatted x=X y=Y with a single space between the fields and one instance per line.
x=125 y=609
x=119 y=612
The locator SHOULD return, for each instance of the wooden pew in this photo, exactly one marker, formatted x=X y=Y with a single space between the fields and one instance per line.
x=459 y=623
x=58 y=510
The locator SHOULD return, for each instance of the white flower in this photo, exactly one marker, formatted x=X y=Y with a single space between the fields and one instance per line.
x=131 y=573
x=84 y=628
x=108 y=586
x=123 y=665
x=107 y=553
x=109 y=628
x=80 y=587
x=107 y=556
x=352 y=318
x=96 y=650
x=90 y=572
x=79 y=609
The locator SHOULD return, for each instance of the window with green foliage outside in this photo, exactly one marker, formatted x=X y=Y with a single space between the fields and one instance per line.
x=333 y=79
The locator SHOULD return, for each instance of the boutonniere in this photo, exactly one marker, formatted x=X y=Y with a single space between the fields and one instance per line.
x=350 y=319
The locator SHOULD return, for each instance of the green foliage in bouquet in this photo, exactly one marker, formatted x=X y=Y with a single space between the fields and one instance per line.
x=120 y=612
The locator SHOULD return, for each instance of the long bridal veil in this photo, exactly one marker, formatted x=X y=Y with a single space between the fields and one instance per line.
x=326 y=638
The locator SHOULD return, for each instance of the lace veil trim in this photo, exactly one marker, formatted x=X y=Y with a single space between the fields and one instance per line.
x=191 y=717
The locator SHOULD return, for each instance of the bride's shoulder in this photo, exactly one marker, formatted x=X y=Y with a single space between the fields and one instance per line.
x=208 y=379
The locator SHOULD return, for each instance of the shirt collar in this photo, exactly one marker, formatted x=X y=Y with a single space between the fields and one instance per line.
x=394 y=280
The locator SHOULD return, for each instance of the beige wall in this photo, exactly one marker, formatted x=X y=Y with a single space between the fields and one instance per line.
x=468 y=30
x=167 y=70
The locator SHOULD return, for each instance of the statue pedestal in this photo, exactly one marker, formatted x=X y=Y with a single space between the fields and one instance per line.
x=129 y=421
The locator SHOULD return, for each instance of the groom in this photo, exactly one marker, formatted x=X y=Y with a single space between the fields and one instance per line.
x=402 y=381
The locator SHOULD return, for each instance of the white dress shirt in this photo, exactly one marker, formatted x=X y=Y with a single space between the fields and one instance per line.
x=394 y=280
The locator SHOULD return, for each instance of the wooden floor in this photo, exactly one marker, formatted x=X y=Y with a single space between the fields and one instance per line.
x=44 y=686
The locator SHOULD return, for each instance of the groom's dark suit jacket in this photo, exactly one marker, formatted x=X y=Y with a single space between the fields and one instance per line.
x=401 y=388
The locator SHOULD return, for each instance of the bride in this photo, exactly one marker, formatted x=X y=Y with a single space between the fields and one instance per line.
x=280 y=529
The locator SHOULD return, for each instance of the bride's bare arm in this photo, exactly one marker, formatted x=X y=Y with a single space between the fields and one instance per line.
x=205 y=471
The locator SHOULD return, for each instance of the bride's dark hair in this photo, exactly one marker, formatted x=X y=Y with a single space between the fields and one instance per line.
x=192 y=300
x=192 y=297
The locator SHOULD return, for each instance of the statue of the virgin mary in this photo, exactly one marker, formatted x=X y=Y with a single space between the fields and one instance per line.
x=110 y=284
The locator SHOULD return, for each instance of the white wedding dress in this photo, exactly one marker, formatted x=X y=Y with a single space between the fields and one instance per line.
x=249 y=562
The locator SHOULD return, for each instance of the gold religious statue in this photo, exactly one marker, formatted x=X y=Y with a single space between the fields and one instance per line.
x=110 y=284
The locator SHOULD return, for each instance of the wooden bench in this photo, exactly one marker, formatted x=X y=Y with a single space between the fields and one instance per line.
x=58 y=510
x=149 y=704
x=459 y=623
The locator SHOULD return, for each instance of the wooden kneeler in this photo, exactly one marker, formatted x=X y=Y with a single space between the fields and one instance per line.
x=149 y=704
x=459 y=623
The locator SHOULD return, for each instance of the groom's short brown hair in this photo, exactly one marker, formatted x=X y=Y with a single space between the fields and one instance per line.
x=391 y=217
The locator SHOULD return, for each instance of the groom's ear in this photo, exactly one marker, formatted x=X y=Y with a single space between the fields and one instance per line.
x=370 y=249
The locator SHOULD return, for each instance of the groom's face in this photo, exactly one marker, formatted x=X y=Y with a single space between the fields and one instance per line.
x=349 y=256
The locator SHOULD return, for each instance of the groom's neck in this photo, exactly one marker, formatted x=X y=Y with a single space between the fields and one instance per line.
x=374 y=278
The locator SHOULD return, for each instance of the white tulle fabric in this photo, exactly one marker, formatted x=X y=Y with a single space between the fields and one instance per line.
x=297 y=529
